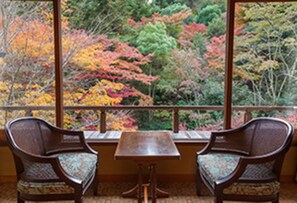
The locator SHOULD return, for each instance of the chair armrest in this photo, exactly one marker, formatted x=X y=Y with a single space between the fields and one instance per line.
x=67 y=132
x=208 y=147
x=223 y=141
x=80 y=134
x=227 y=132
x=241 y=167
x=55 y=164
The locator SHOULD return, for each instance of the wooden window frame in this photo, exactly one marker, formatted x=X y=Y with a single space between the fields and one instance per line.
x=228 y=57
x=230 y=52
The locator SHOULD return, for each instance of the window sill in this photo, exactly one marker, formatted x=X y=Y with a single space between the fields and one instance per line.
x=112 y=137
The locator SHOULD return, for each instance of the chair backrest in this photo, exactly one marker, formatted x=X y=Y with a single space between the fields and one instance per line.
x=266 y=135
x=29 y=135
x=259 y=136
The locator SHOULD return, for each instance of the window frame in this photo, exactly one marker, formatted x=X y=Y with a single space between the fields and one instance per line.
x=59 y=107
x=229 y=54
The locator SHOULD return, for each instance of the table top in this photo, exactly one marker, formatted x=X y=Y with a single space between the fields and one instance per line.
x=146 y=146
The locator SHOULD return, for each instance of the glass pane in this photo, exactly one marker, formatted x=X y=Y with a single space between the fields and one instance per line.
x=265 y=57
x=26 y=59
x=143 y=53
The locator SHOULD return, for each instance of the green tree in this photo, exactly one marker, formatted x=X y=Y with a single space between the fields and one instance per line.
x=153 y=39
x=201 y=4
x=216 y=27
x=207 y=14
x=173 y=8
x=165 y=3
x=138 y=9
x=267 y=57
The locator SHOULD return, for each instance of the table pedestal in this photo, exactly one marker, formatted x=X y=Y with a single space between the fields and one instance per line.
x=152 y=184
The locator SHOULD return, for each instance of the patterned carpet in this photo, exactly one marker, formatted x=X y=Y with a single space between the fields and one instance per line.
x=179 y=193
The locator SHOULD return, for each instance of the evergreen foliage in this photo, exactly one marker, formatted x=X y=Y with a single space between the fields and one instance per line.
x=173 y=8
x=154 y=39
x=207 y=14
x=216 y=27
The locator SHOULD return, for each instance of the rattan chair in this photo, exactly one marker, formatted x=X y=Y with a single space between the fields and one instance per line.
x=51 y=163
x=244 y=164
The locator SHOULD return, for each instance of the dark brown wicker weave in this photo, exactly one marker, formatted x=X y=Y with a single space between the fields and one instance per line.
x=35 y=142
x=260 y=141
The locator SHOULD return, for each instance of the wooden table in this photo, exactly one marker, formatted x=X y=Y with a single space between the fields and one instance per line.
x=146 y=147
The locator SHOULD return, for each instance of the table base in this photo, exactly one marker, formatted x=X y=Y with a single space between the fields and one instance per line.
x=137 y=190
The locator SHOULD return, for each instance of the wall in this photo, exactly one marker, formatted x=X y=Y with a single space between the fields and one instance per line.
x=114 y=170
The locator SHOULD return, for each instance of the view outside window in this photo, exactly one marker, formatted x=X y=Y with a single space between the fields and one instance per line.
x=265 y=59
x=26 y=59
x=144 y=53
x=137 y=52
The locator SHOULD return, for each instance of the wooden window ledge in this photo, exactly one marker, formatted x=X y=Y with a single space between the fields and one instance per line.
x=112 y=137
x=94 y=137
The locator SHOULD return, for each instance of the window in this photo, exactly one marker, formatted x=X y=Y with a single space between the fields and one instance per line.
x=26 y=60
x=120 y=53
x=170 y=54
x=265 y=60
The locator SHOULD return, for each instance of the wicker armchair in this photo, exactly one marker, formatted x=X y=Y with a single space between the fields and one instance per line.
x=51 y=163
x=244 y=164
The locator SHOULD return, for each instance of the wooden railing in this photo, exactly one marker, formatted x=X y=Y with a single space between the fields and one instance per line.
x=175 y=111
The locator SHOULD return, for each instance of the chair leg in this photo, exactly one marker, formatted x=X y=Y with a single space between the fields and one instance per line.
x=95 y=184
x=198 y=182
x=218 y=200
x=276 y=200
x=19 y=199
x=78 y=200
x=95 y=181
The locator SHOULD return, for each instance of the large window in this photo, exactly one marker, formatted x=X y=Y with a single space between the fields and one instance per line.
x=139 y=53
x=265 y=59
x=26 y=59
x=171 y=54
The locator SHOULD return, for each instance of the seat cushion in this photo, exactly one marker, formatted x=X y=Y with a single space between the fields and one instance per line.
x=253 y=188
x=46 y=188
x=79 y=165
x=217 y=166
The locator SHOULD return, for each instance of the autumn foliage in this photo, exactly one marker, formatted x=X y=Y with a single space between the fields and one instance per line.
x=142 y=53
x=98 y=71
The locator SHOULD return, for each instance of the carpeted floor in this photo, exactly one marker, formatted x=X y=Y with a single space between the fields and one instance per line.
x=179 y=193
